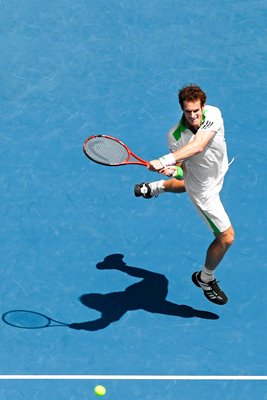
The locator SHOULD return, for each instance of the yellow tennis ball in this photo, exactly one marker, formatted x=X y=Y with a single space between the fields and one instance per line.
x=100 y=390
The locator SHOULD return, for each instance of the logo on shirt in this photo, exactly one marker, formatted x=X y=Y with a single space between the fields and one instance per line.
x=207 y=124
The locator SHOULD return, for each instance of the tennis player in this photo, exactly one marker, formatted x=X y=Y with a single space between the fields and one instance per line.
x=197 y=164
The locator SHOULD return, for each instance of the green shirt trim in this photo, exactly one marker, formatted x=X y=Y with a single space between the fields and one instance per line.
x=181 y=127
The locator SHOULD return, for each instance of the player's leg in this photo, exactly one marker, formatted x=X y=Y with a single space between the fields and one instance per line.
x=152 y=189
x=218 y=248
x=218 y=221
x=174 y=186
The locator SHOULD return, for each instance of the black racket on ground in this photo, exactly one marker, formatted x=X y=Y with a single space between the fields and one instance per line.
x=107 y=150
x=29 y=320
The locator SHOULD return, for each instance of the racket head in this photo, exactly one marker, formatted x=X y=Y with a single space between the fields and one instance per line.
x=25 y=319
x=109 y=151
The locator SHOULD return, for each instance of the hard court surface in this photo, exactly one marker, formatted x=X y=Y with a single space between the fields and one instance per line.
x=75 y=242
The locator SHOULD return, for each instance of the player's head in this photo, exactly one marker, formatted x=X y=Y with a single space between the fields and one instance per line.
x=191 y=93
x=96 y=301
x=192 y=100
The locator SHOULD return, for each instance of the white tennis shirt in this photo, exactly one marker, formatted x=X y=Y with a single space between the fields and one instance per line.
x=204 y=172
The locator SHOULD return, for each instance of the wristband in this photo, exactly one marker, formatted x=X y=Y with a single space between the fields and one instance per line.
x=167 y=160
x=179 y=173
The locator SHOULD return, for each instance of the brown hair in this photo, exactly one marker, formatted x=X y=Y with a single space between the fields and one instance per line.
x=191 y=93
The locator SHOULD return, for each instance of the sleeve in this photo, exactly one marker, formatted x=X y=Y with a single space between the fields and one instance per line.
x=173 y=143
x=212 y=121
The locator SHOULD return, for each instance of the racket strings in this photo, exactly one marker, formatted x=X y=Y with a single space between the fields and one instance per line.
x=26 y=319
x=107 y=151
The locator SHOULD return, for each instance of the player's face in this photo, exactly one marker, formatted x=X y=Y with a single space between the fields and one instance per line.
x=193 y=113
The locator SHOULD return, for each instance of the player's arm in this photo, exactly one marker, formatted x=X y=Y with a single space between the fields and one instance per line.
x=201 y=140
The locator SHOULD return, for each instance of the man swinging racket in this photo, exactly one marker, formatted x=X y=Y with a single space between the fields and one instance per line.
x=196 y=164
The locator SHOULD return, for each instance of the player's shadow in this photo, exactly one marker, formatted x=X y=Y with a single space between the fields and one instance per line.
x=149 y=294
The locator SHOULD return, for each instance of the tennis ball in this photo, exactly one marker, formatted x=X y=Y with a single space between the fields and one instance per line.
x=100 y=390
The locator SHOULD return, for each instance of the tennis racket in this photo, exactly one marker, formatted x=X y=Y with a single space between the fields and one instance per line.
x=29 y=320
x=107 y=150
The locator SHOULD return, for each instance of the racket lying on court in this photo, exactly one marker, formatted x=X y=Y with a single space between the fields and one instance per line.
x=29 y=320
x=107 y=150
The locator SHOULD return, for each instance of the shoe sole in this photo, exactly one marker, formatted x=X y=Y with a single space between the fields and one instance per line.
x=137 y=191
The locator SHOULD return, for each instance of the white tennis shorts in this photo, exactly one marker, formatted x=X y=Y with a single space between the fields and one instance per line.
x=213 y=213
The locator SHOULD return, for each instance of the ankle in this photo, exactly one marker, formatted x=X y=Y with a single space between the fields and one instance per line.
x=207 y=275
x=157 y=187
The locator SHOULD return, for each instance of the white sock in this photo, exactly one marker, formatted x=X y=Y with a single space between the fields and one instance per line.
x=207 y=275
x=157 y=187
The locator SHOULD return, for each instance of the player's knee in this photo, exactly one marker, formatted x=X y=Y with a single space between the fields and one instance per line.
x=229 y=237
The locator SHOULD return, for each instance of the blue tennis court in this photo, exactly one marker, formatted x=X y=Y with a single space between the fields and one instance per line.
x=78 y=247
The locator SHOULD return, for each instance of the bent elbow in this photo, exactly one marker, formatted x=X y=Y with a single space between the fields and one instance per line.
x=199 y=148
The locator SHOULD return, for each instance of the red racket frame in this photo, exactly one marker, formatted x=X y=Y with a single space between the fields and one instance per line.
x=139 y=161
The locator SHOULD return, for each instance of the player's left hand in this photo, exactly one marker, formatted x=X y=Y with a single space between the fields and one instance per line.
x=155 y=166
x=169 y=171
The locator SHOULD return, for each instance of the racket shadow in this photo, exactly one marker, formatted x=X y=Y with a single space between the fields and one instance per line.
x=149 y=295
x=27 y=319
